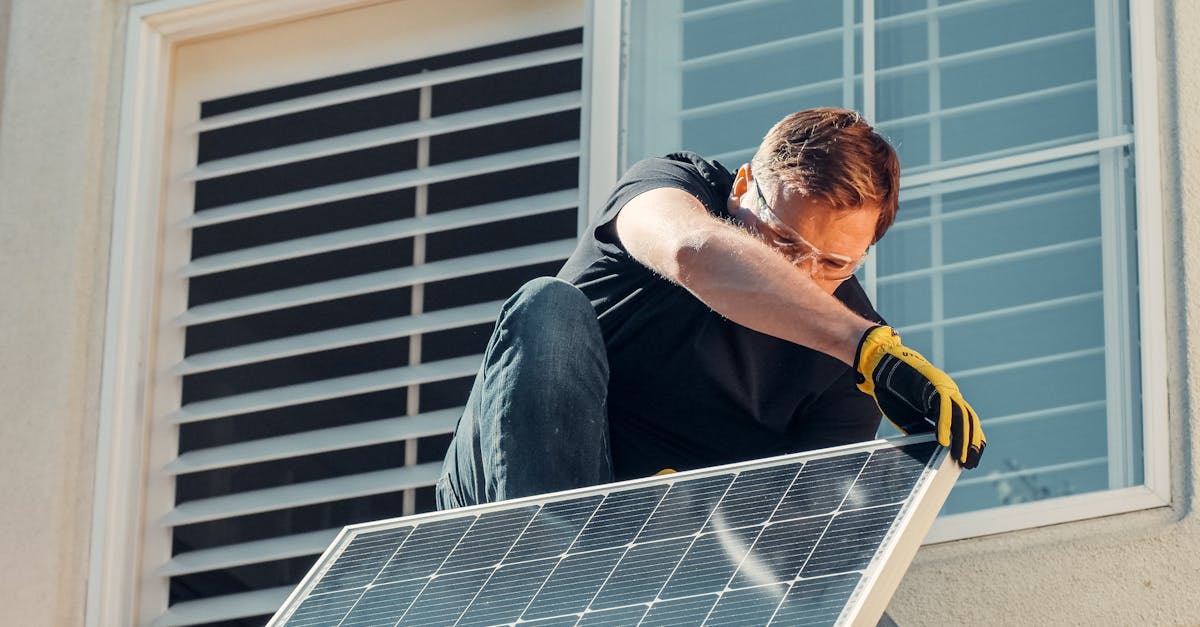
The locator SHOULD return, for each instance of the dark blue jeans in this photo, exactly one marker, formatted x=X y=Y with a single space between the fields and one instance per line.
x=536 y=419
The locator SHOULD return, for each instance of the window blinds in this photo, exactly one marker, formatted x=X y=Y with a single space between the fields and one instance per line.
x=352 y=240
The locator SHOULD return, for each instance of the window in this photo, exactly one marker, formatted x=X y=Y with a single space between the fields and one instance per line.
x=1013 y=263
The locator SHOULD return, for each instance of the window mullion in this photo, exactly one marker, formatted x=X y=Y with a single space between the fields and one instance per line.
x=937 y=253
x=848 y=53
x=871 y=270
x=868 y=57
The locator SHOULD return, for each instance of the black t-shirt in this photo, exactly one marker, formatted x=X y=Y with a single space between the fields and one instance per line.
x=689 y=388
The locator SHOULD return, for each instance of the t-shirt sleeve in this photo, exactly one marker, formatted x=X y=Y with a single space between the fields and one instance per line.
x=852 y=295
x=678 y=171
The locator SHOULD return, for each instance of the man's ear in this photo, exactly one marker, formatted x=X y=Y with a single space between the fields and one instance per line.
x=741 y=181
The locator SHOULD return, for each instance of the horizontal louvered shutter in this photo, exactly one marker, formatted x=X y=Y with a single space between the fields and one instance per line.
x=351 y=242
x=1011 y=262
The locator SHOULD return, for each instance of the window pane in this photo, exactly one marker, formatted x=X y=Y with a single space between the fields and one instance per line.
x=712 y=77
x=985 y=79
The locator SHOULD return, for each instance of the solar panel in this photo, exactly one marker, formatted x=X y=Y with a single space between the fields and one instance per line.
x=816 y=538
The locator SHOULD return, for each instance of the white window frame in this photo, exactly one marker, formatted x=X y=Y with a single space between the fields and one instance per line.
x=610 y=22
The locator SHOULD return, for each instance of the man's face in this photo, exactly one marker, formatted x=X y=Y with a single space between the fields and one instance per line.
x=825 y=243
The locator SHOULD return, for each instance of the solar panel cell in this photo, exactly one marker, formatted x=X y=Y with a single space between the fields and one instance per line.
x=444 y=599
x=685 y=508
x=821 y=486
x=851 y=541
x=486 y=542
x=362 y=560
x=747 y=607
x=557 y=621
x=816 y=602
x=780 y=552
x=689 y=612
x=710 y=562
x=554 y=528
x=425 y=550
x=641 y=573
x=384 y=605
x=888 y=476
x=753 y=496
x=619 y=518
x=324 y=609
x=508 y=592
x=614 y=618
x=573 y=583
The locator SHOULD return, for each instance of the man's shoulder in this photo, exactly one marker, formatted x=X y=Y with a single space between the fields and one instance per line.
x=684 y=161
x=600 y=253
x=705 y=179
x=709 y=169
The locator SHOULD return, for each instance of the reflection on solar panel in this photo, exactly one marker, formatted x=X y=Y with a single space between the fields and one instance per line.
x=818 y=538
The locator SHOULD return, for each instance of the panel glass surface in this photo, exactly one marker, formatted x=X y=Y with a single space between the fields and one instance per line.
x=786 y=541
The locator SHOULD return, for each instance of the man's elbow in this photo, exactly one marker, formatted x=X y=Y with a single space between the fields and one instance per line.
x=693 y=256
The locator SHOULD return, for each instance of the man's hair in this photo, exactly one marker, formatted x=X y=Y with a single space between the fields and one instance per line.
x=834 y=155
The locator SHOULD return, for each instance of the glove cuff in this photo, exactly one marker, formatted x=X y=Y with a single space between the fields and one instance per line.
x=870 y=350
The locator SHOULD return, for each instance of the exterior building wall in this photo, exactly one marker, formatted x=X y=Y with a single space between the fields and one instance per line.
x=58 y=129
x=61 y=71
x=1133 y=569
x=57 y=142
x=5 y=9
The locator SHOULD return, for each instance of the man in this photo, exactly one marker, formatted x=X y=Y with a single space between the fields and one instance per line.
x=706 y=317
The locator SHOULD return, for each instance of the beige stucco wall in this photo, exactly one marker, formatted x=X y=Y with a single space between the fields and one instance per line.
x=1134 y=569
x=61 y=75
x=5 y=8
x=57 y=132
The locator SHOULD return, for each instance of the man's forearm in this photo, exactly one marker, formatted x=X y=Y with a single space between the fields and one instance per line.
x=736 y=275
x=754 y=286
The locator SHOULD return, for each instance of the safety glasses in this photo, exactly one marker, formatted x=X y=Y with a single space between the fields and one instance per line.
x=822 y=265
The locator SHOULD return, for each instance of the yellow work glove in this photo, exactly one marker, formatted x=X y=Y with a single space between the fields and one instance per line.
x=916 y=396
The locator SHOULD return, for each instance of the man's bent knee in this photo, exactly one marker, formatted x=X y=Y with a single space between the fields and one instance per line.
x=549 y=315
x=548 y=299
